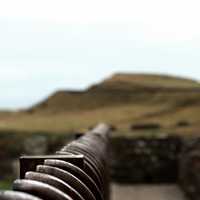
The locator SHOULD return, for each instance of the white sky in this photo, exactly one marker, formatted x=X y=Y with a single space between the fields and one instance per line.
x=50 y=44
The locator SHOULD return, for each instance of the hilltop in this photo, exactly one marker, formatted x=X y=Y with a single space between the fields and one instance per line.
x=152 y=81
x=123 y=100
x=118 y=90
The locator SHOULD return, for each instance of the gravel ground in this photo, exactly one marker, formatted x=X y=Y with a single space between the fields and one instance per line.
x=146 y=192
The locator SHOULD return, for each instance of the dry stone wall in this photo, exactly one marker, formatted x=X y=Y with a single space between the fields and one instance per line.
x=13 y=145
x=189 y=171
x=170 y=159
x=145 y=160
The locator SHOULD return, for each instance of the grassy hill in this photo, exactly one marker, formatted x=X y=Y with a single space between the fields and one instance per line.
x=117 y=90
x=122 y=100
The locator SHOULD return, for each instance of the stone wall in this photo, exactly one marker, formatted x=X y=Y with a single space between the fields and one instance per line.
x=145 y=160
x=189 y=173
x=13 y=145
x=169 y=159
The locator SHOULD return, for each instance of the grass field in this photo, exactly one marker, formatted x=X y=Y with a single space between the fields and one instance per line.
x=120 y=116
x=6 y=184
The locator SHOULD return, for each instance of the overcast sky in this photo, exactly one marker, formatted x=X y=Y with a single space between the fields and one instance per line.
x=47 y=45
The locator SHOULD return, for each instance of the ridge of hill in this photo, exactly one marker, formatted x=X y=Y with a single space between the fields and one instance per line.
x=120 y=89
x=153 y=80
x=123 y=100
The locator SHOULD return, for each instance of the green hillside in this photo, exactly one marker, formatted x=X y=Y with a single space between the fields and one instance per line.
x=120 y=89
x=123 y=100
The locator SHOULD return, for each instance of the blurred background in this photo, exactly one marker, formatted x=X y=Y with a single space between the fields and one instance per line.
x=67 y=65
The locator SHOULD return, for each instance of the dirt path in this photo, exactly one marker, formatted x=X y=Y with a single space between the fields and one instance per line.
x=146 y=192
